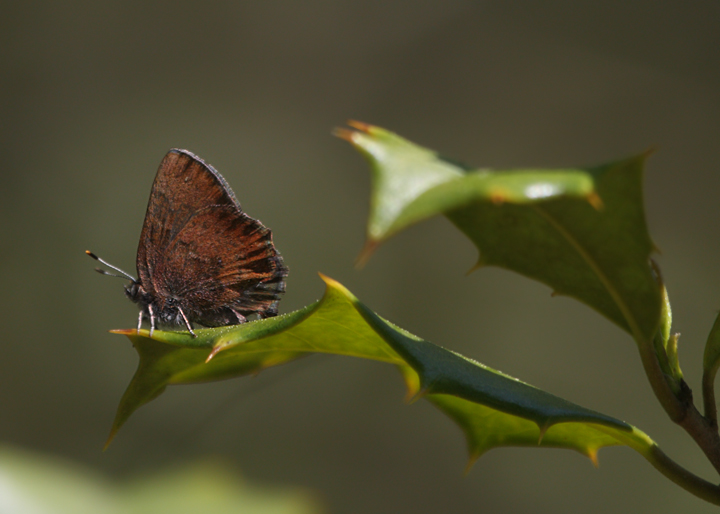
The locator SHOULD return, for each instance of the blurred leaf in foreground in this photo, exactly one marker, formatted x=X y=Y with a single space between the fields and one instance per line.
x=31 y=483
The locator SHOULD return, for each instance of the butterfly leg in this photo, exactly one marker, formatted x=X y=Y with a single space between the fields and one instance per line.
x=140 y=321
x=152 y=319
x=240 y=317
x=187 y=323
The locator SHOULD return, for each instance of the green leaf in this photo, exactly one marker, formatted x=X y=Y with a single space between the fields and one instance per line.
x=492 y=408
x=37 y=483
x=580 y=231
x=211 y=486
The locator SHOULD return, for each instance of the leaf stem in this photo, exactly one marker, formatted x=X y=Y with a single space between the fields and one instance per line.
x=669 y=468
x=708 y=392
x=682 y=477
x=705 y=434
x=680 y=407
x=660 y=383
x=711 y=363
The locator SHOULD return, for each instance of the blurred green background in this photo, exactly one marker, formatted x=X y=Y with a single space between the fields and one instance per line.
x=95 y=93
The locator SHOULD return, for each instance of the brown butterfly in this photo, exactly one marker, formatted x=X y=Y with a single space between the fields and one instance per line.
x=201 y=259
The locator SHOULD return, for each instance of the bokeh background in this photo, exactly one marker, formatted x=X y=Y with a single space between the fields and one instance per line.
x=94 y=93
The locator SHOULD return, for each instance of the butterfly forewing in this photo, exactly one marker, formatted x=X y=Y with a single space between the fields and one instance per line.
x=183 y=186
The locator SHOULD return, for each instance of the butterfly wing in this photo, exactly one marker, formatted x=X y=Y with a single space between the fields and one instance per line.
x=200 y=252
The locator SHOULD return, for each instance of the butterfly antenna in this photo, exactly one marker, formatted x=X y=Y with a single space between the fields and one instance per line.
x=103 y=272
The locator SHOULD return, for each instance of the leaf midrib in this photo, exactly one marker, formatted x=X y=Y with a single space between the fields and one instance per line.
x=595 y=267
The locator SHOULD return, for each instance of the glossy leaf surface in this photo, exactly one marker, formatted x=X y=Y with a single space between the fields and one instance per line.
x=491 y=408
x=581 y=231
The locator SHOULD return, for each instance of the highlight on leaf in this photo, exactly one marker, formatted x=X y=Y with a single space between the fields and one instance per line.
x=580 y=231
x=412 y=183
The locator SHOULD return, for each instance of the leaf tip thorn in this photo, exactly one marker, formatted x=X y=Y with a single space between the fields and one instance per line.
x=479 y=264
x=471 y=463
x=343 y=133
x=350 y=135
x=329 y=281
x=359 y=125
x=593 y=456
x=214 y=352
x=543 y=431
x=366 y=253
x=124 y=331
x=647 y=153
x=498 y=197
x=110 y=438
x=420 y=394
x=595 y=200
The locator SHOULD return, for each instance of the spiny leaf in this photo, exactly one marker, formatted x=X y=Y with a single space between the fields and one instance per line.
x=492 y=408
x=580 y=231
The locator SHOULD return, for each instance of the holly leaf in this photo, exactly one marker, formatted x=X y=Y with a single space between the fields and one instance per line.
x=581 y=231
x=492 y=409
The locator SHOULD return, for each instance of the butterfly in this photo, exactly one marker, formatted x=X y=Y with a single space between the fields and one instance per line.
x=201 y=259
